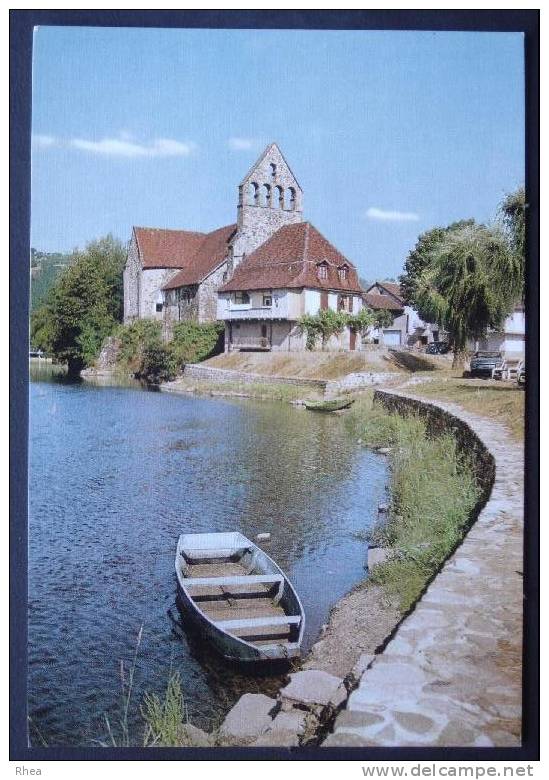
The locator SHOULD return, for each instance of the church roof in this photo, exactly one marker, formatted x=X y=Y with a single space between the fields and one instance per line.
x=159 y=248
x=195 y=254
x=290 y=259
x=211 y=252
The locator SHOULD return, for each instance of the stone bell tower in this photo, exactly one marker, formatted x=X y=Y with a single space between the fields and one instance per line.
x=269 y=197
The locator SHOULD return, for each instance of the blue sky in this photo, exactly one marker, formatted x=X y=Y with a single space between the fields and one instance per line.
x=389 y=133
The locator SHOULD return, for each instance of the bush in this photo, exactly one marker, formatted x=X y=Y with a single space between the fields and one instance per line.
x=136 y=337
x=193 y=342
x=157 y=365
x=143 y=352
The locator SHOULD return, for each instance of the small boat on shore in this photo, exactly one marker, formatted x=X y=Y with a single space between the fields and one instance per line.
x=238 y=597
x=329 y=405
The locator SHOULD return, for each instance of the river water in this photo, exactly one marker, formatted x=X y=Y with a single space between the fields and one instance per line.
x=116 y=474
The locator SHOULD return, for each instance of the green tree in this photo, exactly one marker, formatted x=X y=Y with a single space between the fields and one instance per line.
x=464 y=284
x=512 y=213
x=84 y=305
x=383 y=318
x=419 y=259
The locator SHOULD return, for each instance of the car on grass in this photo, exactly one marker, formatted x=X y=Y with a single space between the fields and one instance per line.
x=483 y=363
x=521 y=373
x=437 y=348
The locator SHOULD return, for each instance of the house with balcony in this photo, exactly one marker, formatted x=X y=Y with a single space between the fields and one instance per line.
x=296 y=271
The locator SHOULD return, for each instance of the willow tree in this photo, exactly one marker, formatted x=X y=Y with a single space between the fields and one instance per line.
x=468 y=285
x=512 y=213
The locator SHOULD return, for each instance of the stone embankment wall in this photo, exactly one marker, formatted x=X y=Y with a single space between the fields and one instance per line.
x=224 y=375
x=451 y=675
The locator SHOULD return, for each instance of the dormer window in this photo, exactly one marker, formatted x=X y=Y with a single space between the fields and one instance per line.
x=343 y=272
x=322 y=270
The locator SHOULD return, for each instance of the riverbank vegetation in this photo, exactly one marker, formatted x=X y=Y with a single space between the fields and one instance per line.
x=433 y=492
x=143 y=352
x=83 y=306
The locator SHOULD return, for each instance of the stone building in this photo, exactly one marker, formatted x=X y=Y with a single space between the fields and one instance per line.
x=173 y=275
x=269 y=268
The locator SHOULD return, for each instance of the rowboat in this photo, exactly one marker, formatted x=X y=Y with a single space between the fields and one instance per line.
x=238 y=597
x=331 y=405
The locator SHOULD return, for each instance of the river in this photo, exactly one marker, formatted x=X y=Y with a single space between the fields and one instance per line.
x=116 y=474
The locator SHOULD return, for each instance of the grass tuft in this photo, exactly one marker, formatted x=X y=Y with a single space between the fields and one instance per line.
x=164 y=718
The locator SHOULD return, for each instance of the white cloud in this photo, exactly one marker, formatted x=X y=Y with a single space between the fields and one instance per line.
x=44 y=140
x=391 y=216
x=124 y=147
x=243 y=144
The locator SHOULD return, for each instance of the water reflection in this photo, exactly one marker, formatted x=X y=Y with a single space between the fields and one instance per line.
x=116 y=474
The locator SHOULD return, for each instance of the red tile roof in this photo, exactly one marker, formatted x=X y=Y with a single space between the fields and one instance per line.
x=375 y=301
x=196 y=254
x=290 y=258
x=160 y=248
x=210 y=253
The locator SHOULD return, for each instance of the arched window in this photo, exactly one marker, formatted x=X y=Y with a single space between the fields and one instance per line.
x=289 y=199
x=278 y=199
x=253 y=194
x=265 y=195
x=273 y=170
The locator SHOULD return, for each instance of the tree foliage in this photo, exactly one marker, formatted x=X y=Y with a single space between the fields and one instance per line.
x=463 y=287
x=193 y=341
x=419 y=259
x=512 y=213
x=144 y=353
x=83 y=306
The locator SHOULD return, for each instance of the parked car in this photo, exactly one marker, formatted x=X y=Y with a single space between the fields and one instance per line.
x=483 y=363
x=521 y=373
x=437 y=348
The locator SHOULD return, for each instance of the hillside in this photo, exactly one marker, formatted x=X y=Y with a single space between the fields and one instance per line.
x=45 y=268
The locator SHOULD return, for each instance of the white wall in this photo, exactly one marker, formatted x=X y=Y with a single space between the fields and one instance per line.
x=312 y=301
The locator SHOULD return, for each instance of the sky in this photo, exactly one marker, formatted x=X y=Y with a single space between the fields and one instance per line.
x=389 y=133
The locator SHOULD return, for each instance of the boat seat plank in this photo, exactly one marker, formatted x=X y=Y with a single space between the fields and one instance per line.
x=259 y=622
x=252 y=579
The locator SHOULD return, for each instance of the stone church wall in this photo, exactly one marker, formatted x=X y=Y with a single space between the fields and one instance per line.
x=131 y=278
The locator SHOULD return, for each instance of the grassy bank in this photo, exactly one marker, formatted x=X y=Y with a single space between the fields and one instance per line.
x=501 y=401
x=267 y=391
x=433 y=494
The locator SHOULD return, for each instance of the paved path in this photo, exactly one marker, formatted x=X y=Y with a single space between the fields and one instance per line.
x=451 y=675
